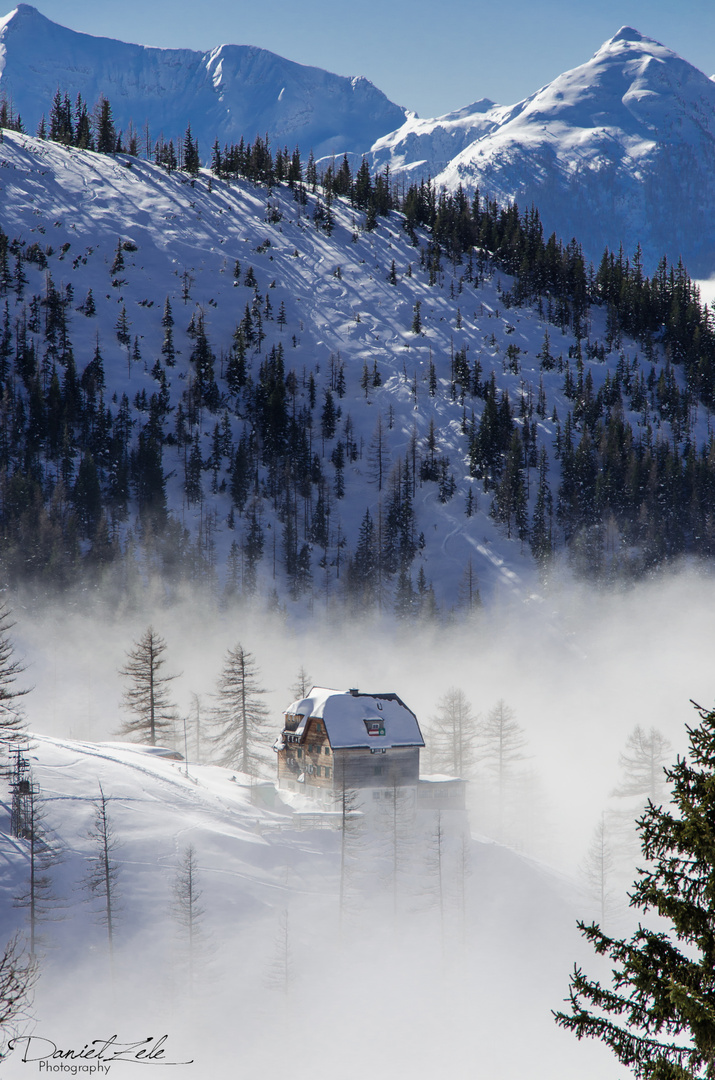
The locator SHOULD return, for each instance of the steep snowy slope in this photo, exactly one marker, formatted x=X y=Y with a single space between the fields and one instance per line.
x=346 y=326
x=619 y=150
x=424 y=147
x=442 y=991
x=229 y=92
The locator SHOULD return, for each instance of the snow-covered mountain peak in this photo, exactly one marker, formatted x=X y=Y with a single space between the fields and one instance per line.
x=226 y=93
x=23 y=12
x=630 y=34
x=619 y=150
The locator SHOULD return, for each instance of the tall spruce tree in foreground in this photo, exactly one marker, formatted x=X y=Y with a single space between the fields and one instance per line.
x=147 y=699
x=658 y=1016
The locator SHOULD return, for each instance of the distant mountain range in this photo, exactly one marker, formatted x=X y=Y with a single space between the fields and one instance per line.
x=620 y=150
x=229 y=92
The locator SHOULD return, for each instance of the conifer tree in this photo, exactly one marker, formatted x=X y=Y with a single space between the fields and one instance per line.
x=104 y=130
x=454 y=732
x=43 y=853
x=501 y=749
x=301 y=686
x=642 y=779
x=187 y=908
x=192 y=162
x=598 y=867
x=253 y=544
x=658 y=1013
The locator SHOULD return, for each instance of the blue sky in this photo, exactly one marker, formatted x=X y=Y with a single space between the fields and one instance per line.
x=428 y=55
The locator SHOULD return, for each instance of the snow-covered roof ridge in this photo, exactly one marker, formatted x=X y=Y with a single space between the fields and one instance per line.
x=345 y=712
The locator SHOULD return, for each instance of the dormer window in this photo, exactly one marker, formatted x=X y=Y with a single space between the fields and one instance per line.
x=375 y=727
x=292 y=720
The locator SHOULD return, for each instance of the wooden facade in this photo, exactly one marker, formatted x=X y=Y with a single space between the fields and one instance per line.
x=335 y=739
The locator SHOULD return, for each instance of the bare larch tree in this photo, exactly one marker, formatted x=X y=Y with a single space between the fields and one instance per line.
x=239 y=717
x=147 y=699
x=101 y=880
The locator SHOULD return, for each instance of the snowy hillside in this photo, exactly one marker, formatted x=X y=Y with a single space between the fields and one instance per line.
x=233 y=91
x=445 y=989
x=425 y=147
x=298 y=343
x=619 y=150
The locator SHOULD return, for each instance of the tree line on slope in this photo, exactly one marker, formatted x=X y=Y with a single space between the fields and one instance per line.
x=624 y=502
x=664 y=308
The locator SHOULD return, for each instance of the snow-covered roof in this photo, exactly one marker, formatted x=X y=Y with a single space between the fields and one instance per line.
x=344 y=713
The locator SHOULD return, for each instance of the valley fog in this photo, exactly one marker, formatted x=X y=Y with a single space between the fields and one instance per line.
x=580 y=668
x=428 y=974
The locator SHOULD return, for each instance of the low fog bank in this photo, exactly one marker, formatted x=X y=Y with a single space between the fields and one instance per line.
x=578 y=667
x=453 y=970
x=291 y=988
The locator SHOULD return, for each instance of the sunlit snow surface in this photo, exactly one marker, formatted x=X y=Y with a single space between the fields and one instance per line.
x=617 y=150
x=393 y=992
x=229 y=92
x=338 y=304
x=579 y=668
